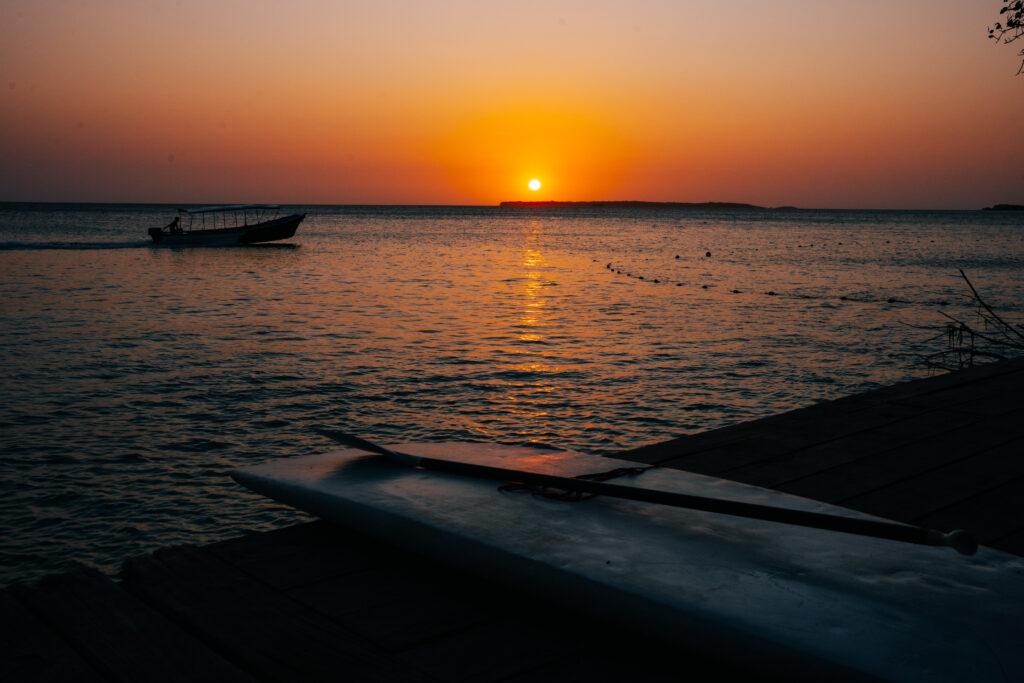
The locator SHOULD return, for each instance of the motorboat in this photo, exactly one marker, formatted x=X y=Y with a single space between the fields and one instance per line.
x=228 y=225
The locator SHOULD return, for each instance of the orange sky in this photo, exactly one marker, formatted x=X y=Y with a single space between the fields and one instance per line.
x=844 y=104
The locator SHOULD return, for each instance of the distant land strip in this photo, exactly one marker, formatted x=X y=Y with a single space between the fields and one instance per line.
x=694 y=205
x=634 y=204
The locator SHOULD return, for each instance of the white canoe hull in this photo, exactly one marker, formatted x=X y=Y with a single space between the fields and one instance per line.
x=790 y=601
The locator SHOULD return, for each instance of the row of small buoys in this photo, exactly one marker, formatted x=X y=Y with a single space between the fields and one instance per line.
x=770 y=292
x=618 y=271
x=707 y=254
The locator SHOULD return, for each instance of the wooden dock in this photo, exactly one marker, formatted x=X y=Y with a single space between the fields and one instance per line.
x=312 y=602
x=319 y=602
x=945 y=452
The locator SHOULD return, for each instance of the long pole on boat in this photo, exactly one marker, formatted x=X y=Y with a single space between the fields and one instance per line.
x=962 y=541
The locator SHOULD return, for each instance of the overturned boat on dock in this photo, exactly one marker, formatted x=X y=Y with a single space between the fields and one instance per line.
x=804 y=589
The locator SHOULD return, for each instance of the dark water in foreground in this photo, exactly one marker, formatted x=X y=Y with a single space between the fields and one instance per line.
x=133 y=379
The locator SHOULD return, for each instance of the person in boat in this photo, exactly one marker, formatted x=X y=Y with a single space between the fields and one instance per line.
x=173 y=227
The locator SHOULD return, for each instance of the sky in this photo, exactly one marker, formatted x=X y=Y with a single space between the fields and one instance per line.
x=839 y=104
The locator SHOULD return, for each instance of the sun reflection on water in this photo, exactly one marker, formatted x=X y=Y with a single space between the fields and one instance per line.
x=533 y=298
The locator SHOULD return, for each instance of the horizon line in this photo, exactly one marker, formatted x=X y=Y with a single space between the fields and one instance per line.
x=727 y=206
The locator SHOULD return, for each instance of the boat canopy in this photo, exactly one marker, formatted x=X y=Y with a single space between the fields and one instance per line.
x=230 y=207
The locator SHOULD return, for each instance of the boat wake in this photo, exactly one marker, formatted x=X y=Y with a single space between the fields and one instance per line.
x=32 y=246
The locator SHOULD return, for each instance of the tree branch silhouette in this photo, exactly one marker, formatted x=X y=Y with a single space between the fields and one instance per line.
x=996 y=339
x=1011 y=28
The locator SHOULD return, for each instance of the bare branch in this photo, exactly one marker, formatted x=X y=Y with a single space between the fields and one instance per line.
x=1010 y=333
x=965 y=343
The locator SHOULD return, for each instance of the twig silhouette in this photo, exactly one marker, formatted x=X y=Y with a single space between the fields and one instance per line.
x=964 y=342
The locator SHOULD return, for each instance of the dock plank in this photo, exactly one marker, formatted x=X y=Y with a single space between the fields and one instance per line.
x=535 y=640
x=457 y=626
x=775 y=472
x=1014 y=543
x=930 y=491
x=953 y=382
x=767 y=440
x=326 y=549
x=907 y=452
x=612 y=656
x=124 y=638
x=32 y=652
x=994 y=515
x=393 y=607
x=864 y=467
x=260 y=629
x=491 y=652
x=997 y=394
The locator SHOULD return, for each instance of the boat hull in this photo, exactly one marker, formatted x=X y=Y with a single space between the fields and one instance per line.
x=269 y=231
x=796 y=602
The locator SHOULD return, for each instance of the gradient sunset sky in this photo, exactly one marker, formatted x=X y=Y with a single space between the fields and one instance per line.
x=839 y=104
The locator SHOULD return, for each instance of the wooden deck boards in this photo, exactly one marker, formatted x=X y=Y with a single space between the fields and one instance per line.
x=947 y=450
x=122 y=638
x=319 y=602
x=34 y=652
x=334 y=606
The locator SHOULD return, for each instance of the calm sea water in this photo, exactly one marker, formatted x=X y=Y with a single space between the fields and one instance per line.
x=134 y=378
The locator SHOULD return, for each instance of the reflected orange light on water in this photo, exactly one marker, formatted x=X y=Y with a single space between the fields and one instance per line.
x=532 y=292
x=527 y=399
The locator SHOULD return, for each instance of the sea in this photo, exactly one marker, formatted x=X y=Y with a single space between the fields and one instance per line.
x=134 y=378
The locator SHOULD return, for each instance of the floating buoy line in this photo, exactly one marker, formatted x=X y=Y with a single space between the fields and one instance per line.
x=619 y=270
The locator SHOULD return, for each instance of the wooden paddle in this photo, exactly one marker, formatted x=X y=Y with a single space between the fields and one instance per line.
x=962 y=541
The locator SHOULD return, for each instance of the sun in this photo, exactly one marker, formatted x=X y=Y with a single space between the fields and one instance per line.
x=534 y=184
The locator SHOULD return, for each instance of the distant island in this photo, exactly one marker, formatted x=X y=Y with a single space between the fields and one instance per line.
x=693 y=205
x=642 y=205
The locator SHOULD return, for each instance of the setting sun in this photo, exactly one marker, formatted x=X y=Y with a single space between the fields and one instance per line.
x=534 y=184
